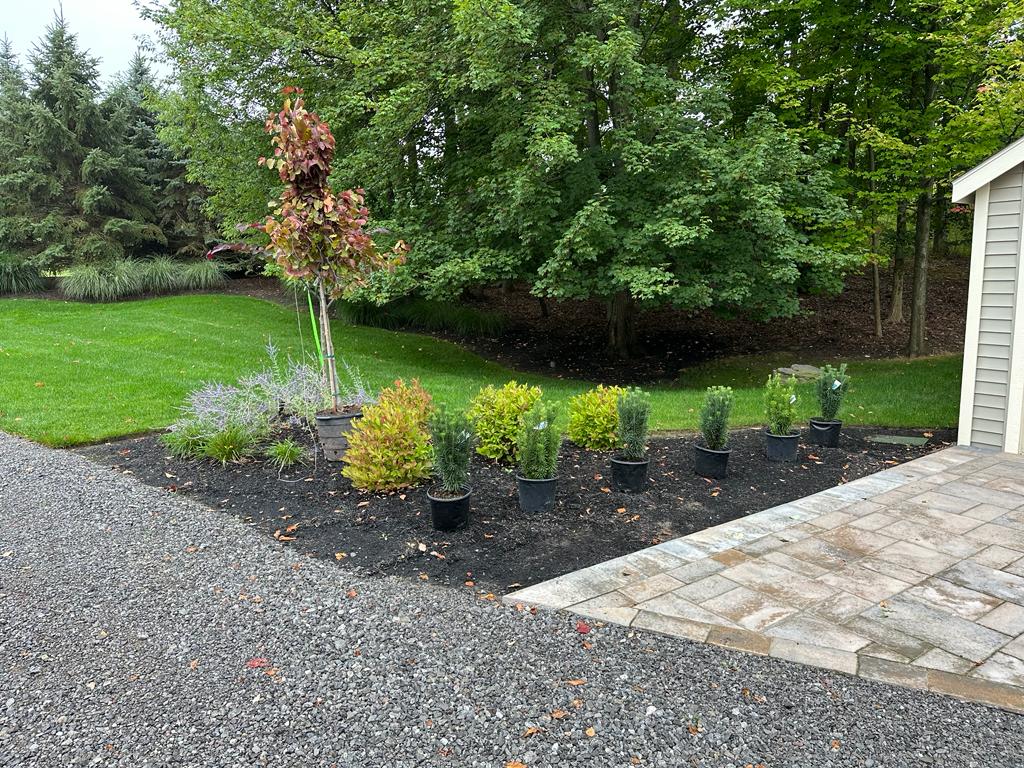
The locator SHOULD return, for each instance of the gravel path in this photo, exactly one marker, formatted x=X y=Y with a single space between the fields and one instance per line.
x=132 y=623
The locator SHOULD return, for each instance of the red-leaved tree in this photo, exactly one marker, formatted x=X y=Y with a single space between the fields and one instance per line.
x=315 y=235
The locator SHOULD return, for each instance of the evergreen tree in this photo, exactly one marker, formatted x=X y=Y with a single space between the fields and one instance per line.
x=178 y=204
x=16 y=176
x=78 y=188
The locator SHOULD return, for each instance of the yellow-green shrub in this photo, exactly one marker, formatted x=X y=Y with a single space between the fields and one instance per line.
x=594 y=418
x=497 y=415
x=389 y=447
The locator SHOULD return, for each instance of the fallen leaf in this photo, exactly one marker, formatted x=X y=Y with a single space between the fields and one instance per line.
x=621 y=510
x=363 y=504
x=606 y=490
x=587 y=645
x=836 y=744
x=421 y=547
x=438 y=555
x=292 y=528
x=577 y=703
x=194 y=664
x=351 y=593
x=531 y=731
x=340 y=555
x=40 y=384
x=558 y=714
x=576 y=682
x=257 y=662
x=472 y=584
x=488 y=596
x=591 y=733
x=515 y=764
x=424 y=577
x=582 y=627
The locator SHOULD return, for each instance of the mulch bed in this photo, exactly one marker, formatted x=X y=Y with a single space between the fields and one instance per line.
x=315 y=511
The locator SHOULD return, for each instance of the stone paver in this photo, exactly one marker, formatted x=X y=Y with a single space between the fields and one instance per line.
x=913 y=576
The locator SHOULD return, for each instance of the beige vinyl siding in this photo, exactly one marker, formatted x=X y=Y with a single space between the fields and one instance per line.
x=998 y=296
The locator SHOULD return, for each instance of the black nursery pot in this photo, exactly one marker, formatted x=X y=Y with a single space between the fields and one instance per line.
x=536 y=495
x=630 y=476
x=781 y=447
x=449 y=514
x=825 y=432
x=709 y=463
x=332 y=429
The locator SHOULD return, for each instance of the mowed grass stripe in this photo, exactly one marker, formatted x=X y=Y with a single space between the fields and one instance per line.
x=137 y=360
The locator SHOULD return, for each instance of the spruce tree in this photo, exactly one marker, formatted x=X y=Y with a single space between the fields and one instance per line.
x=178 y=203
x=86 y=197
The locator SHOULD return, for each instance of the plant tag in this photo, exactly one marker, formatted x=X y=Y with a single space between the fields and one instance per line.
x=542 y=425
x=836 y=384
x=792 y=399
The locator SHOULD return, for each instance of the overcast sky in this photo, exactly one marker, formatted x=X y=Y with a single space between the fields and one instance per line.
x=109 y=29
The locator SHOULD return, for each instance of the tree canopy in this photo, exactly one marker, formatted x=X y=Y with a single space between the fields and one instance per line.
x=582 y=148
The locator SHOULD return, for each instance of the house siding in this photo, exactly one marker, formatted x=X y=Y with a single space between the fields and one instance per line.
x=998 y=297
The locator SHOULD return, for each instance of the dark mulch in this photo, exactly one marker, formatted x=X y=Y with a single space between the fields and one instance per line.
x=317 y=512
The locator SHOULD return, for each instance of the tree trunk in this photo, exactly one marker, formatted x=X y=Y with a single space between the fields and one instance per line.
x=331 y=366
x=898 y=264
x=878 y=297
x=918 y=344
x=939 y=216
x=620 y=324
x=544 y=310
x=876 y=293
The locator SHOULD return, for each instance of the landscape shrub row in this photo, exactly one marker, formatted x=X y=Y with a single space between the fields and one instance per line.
x=401 y=437
x=124 y=278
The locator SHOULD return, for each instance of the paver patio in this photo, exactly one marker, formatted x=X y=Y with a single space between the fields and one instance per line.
x=912 y=576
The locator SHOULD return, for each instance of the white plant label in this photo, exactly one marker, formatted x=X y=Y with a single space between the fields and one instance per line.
x=836 y=384
x=792 y=399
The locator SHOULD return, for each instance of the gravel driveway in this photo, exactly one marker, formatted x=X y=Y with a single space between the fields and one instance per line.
x=138 y=629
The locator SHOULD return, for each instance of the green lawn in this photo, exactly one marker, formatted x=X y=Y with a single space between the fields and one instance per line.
x=75 y=373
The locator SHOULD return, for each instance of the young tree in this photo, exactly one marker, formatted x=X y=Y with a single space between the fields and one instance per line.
x=315 y=235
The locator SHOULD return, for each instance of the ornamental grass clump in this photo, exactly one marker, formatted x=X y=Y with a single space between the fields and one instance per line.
x=160 y=275
x=286 y=453
x=594 y=418
x=452 y=439
x=18 y=276
x=780 y=404
x=497 y=416
x=634 y=410
x=539 y=442
x=830 y=387
x=202 y=275
x=714 y=417
x=109 y=281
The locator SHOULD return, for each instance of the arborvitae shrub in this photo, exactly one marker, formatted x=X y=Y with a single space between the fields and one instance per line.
x=780 y=404
x=452 y=439
x=831 y=387
x=539 y=442
x=714 y=417
x=634 y=408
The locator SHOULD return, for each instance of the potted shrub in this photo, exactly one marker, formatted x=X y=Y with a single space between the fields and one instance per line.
x=830 y=387
x=333 y=426
x=452 y=441
x=317 y=237
x=537 y=450
x=780 y=411
x=712 y=458
x=630 y=467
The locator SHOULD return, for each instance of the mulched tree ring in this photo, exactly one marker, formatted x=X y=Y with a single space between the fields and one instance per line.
x=503 y=548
